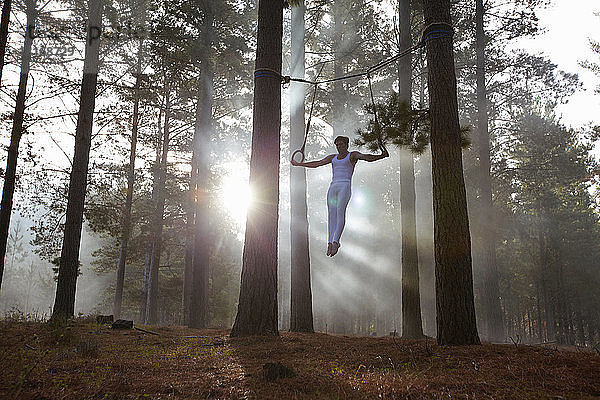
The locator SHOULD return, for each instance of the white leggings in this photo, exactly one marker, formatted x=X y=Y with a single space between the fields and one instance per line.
x=338 y=197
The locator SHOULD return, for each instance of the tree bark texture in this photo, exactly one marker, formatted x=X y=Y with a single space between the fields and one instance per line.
x=301 y=314
x=546 y=293
x=144 y=293
x=158 y=219
x=456 y=324
x=257 y=307
x=126 y=219
x=337 y=307
x=64 y=304
x=10 y=175
x=425 y=226
x=412 y=326
x=6 y=6
x=339 y=92
x=425 y=243
x=489 y=290
x=186 y=294
x=149 y=232
x=199 y=316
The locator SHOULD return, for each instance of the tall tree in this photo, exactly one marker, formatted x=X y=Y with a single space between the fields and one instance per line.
x=412 y=326
x=489 y=290
x=10 y=175
x=126 y=223
x=151 y=316
x=257 y=307
x=341 y=49
x=4 y=32
x=455 y=306
x=301 y=315
x=149 y=232
x=198 y=314
x=424 y=185
x=64 y=304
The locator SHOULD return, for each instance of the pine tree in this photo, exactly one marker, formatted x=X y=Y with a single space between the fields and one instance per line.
x=64 y=304
x=126 y=223
x=455 y=308
x=412 y=327
x=6 y=6
x=301 y=314
x=198 y=313
x=16 y=134
x=257 y=308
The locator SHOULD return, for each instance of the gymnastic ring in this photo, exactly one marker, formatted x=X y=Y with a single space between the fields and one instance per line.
x=296 y=152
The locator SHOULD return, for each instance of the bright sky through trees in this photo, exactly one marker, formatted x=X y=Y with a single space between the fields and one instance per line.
x=568 y=25
x=235 y=192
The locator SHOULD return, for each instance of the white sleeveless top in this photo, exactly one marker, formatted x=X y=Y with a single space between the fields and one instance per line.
x=342 y=169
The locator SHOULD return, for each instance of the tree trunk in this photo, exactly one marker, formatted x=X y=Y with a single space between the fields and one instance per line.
x=148 y=234
x=144 y=294
x=529 y=326
x=546 y=297
x=126 y=227
x=489 y=285
x=64 y=304
x=257 y=308
x=412 y=326
x=4 y=33
x=301 y=315
x=592 y=324
x=538 y=307
x=10 y=175
x=579 y=321
x=455 y=307
x=200 y=260
x=339 y=92
x=562 y=306
x=337 y=308
x=425 y=242
x=30 y=278
x=425 y=226
x=161 y=176
x=186 y=294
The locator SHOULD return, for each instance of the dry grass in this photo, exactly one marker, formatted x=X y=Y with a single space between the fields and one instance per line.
x=87 y=361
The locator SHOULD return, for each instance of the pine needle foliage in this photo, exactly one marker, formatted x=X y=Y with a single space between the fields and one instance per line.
x=400 y=125
x=397 y=124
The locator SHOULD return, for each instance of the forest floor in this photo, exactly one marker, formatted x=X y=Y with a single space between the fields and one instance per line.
x=91 y=361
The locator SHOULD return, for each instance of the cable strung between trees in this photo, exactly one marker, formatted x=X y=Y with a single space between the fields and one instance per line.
x=432 y=31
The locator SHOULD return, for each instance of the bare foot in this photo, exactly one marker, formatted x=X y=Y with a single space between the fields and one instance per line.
x=334 y=248
x=329 y=249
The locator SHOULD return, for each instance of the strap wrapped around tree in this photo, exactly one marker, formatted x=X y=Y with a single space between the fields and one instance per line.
x=436 y=30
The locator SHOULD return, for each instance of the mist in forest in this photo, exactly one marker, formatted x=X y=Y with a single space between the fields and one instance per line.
x=544 y=179
x=31 y=280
